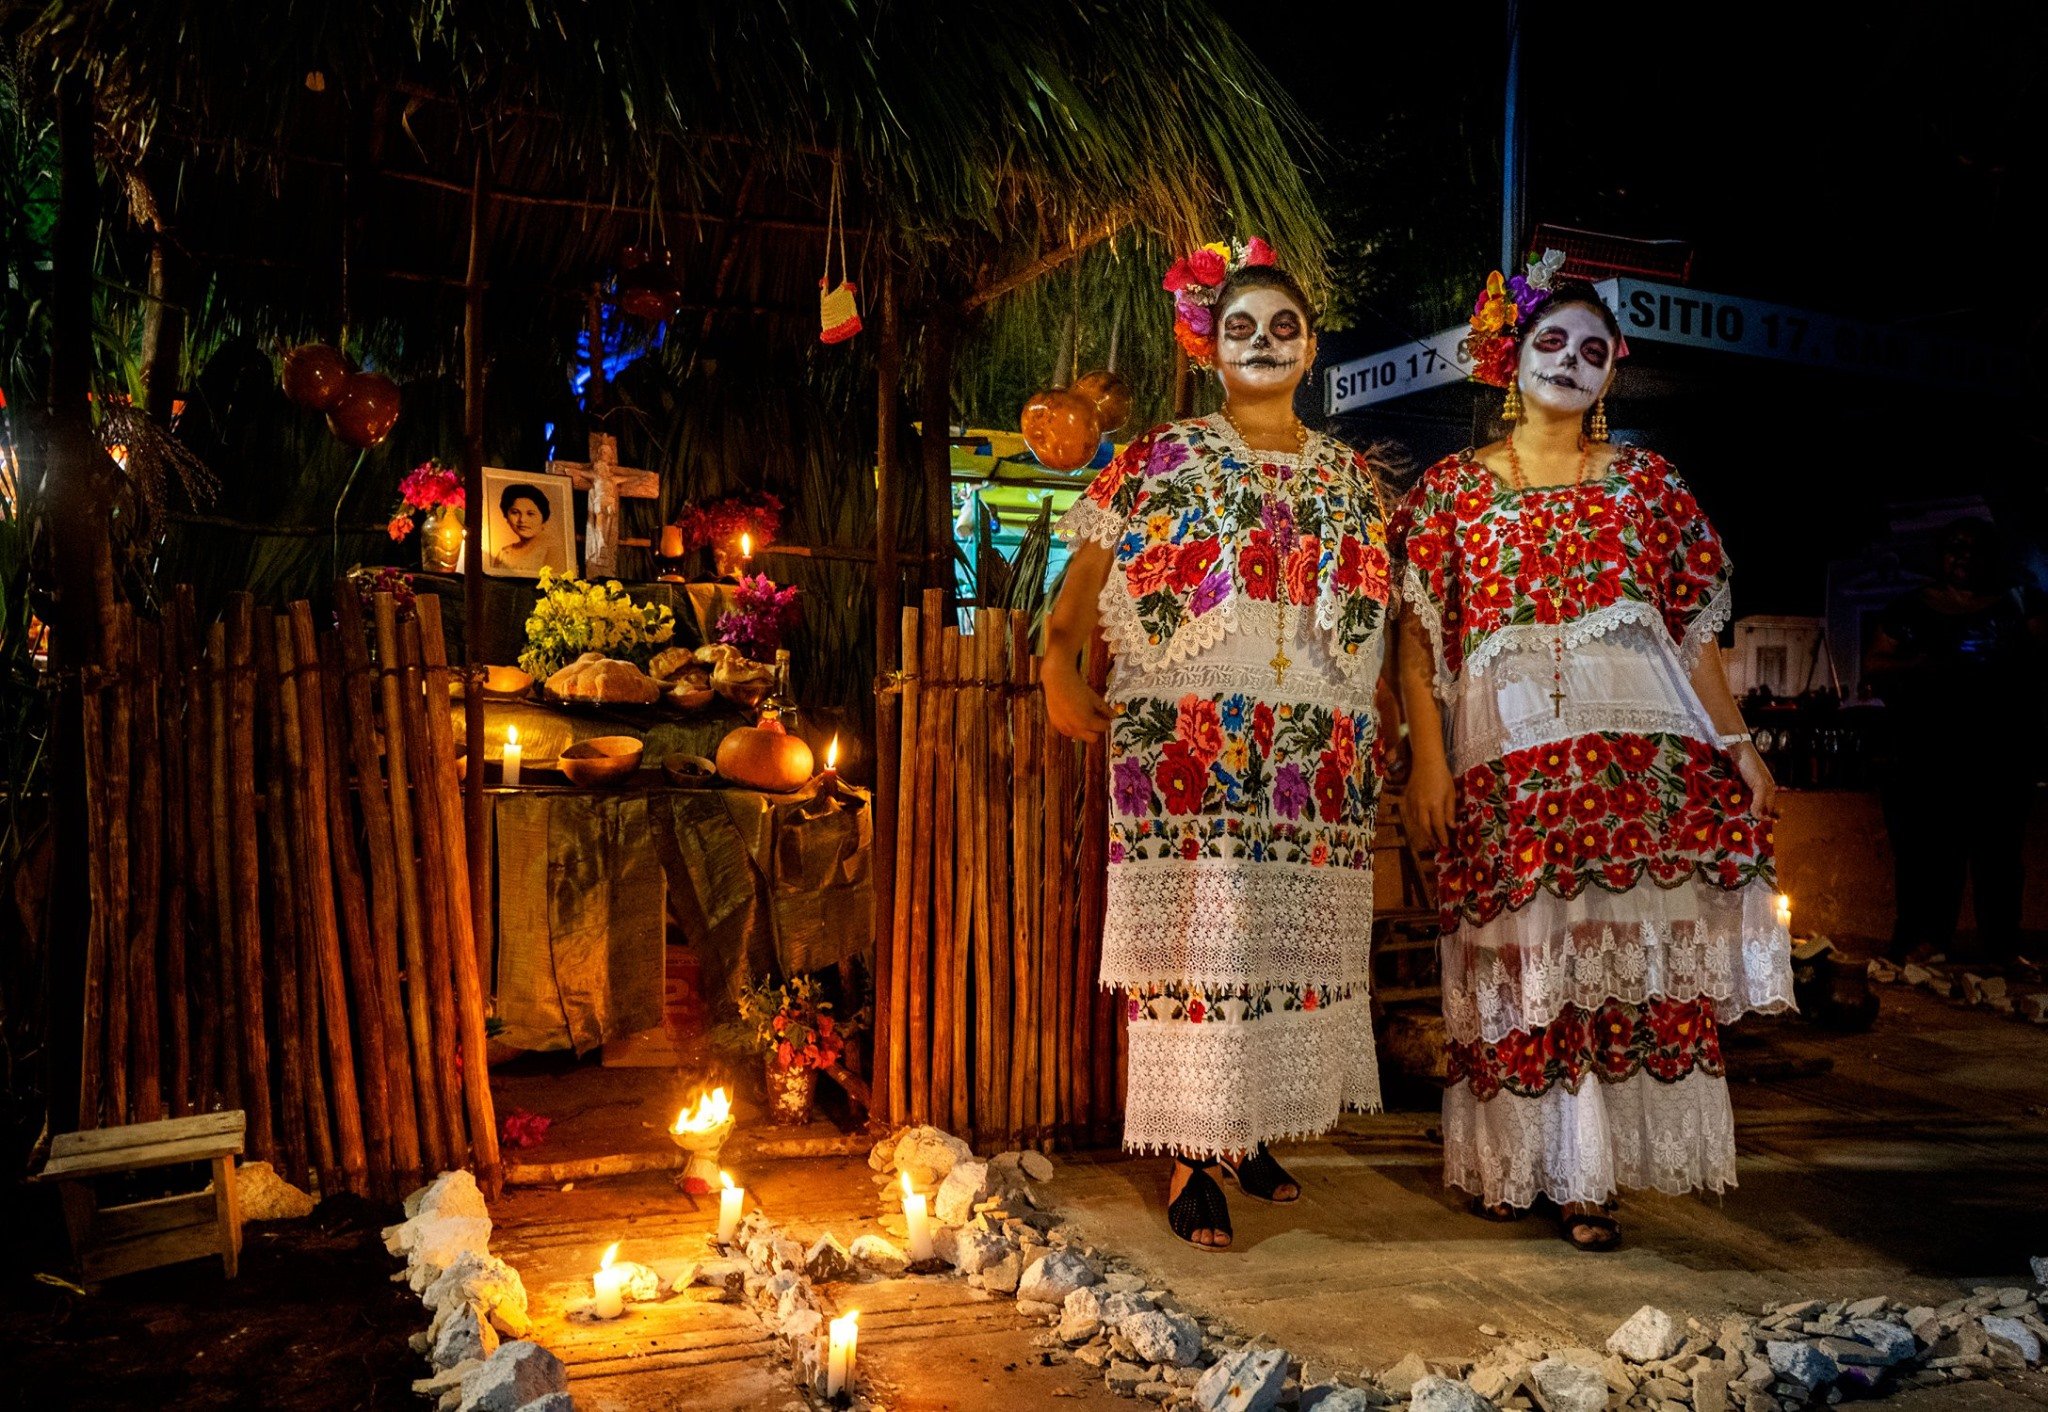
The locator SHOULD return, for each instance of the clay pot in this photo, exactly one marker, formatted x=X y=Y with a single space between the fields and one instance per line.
x=314 y=376
x=648 y=286
x=1111 y=396
x=765 y=757
x=1061 y=428
x=366 y=411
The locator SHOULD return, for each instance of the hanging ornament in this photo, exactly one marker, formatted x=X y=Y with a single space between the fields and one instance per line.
x=366 y=410
x=838 y=311
x=314 y=375
x=1111 y=396
x=1061 y=427
x=648 y=286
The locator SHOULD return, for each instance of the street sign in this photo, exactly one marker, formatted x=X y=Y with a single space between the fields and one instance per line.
x=1398 y=371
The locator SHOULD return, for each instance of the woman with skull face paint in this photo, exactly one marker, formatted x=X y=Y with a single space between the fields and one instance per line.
x=1601 y=818
x=1237 y=565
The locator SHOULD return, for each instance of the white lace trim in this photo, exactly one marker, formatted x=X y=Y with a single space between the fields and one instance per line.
x=1579 y=719
x=1519 y=971
x=1416 y=597
x=1306 y=683
x=1671 y=1137
x=1531 y=637
x=1222 y=922
x=1705 y=627
x=1222 y=1087
x=1088 y=522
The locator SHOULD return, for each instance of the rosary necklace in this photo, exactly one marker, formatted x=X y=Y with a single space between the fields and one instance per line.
x=1520 y=481
x=1270 y=483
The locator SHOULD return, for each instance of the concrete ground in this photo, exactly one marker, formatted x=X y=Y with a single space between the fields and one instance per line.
x=1911 y=1160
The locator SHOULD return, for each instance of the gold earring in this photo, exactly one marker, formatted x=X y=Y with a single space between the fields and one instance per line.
x=1599 y=429
x=1511 y=410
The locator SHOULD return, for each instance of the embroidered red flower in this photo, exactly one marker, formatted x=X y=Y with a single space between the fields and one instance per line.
x=1330 y=780
x=1262 y=727
x=1258 y=564
x=1593 y=753
x=1301 y=569
x=1309 y=999
x=1181 y=778
x=1192 y=562
x=1632 y=839
x=1737 y=837
x=1589 y=840
x=1634 y=752
x=1558 y=849
x=1589 y=804
x=1553 y=809
x=1552 y=761
x=1195 y=1011
x=1151 y=570
x=1375 y=576
x=1199 y=728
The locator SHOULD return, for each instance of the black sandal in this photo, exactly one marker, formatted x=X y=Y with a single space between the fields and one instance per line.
x=1259 y=1175
x=1501 y=1212
x=1199 y=1207
x=1606 y=1231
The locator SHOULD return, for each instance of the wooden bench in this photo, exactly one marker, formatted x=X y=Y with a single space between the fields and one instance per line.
x=117 y=1240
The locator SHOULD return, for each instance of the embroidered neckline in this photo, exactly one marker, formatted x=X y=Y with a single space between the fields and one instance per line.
x=1308 y=458
x=1623 y=454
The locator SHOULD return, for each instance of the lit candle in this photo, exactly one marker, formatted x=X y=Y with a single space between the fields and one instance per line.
x=671 y=541
x=918 y=1221
x=832 y=763
x=839 y=1354
x=1785 y=910
x=746 y=550
x=512 y=755
x=610 y=1285
x=729 y=1201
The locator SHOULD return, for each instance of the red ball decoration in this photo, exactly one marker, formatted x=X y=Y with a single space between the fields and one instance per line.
x=648 y=286
x=1111 y=396
x=314 y=376
x=1061 y=428
x=366 y=410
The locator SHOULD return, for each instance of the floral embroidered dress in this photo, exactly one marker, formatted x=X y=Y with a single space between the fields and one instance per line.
x=1607 y=899
x=1241 y=805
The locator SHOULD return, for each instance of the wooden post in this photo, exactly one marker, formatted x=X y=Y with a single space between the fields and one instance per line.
x=385 y=908
x=116 y=626
x=944 y=840
x=889 y=706
x=242 y=776
x=469 y=986
x=1092 y=880
x=927 y=826
x=424 y=1068
x=92 y=1081
x=163 y=330
x=227 y=978
x=145 y=1038
x=1022 y=828
x=899 y=939
x=476 y=892
x=302 y=1127
x=966 y=865
x=991 y=1084
x=173 y=730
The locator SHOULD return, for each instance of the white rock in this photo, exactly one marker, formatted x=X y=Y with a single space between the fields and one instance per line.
x=976 y=1250
x=1649 y=1336
x=1249 y=1380
x=1349 y=1399
x=433 y=1243
x=1054 y=1276
x=462 y=1337
x=2040 y=1264
x=880 y=1255
x=727 y=1275
x=827 y=1260
x=1893 y=1343
x=928 y=1154
x=1404 y=1375
x=1436 y=1393
x=1005 y=1275
x=1160 y=1337
x=1802 y=1363
x=450 y=1194
x=1037 y=1166
x=1081 y=1315
x=553 y=1402
x=517 y=1374
x=2014 y=1332
x=1570 y=1386
x=263 y=1195
x=643 y=1282
x=964 y=1187
x=447 y=1380
x=882 y=1156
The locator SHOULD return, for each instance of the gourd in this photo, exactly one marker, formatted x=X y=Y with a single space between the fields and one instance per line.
x=765 y=757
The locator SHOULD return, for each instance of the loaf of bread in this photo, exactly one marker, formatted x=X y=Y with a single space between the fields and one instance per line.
x=596 y=678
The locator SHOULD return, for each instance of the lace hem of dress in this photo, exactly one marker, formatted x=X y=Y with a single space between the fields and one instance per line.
x=1415 y=596
x=1577 y=719
x=1520 y=971
x=1705 y=627
x=1089 y=522
x=1529 y=637
x=1232 y=923
x=1211 y=678
x=1225 y=1088
x=1669 y=1137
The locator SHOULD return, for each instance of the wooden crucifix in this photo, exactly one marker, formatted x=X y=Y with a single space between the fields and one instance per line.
x=607 y=482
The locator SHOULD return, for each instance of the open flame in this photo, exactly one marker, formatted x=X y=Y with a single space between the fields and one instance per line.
x=713 y=1109
x=832 y=754
x=511 y=735
x=746 y=545
x=906 y=1185
x=725 y=1180
x=611 y=1253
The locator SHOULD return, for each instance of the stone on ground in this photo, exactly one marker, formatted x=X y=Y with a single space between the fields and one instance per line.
x=1437 y=1393
x=265 y=1196
x=1055 y=1275
x=1249 y=1380
x=1037 y=1166
x=450 y=1194
x=1081 y=1315
x=517 y=1374
x=433 y=1243
x=2013 y=1332
x=1124 y=1377
x=976 y=1250
x=553 y=1402
x=928 y=1155
x=1005 y=1275
x=1889 y=1343
x=880 y=1255
x=1802 y=1363
x=1345 y=1399
x=1649 y=1336
x=1569 y=1386
x=827 y=1260
x=463 y=1337
x=1404 y=1375
x=964 y=1186
x=2040 y=1264
x=1160 y=1337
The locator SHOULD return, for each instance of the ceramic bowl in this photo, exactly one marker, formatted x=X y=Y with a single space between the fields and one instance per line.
x=603 y=759
x=690 y=771
x=506 y=682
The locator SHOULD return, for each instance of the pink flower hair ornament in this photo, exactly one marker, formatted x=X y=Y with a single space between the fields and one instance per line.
x=1195 y=280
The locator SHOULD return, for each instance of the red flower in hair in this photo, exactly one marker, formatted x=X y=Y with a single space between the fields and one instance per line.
x=1207 y=267
x=1256 y=252
x=1179 y=276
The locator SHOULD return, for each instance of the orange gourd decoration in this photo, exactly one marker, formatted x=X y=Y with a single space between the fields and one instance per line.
x=366 y=410
x=1060 y=426
x=1111 y=396
x=765 y=757
x=314 y=376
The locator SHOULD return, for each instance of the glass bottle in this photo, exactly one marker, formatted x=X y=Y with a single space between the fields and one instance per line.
x=780 y=703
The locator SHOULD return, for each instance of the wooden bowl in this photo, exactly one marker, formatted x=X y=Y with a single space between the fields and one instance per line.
x=506 y=683
x=603 y=759
x=690 y=771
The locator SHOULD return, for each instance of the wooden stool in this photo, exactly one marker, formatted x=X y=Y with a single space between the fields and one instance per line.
x=117 y=1240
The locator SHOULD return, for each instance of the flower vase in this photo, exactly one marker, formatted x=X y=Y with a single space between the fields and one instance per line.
x=441 y=539
x=792 y=1089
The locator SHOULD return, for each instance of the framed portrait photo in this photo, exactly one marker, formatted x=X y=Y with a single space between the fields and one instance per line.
x=529 y=524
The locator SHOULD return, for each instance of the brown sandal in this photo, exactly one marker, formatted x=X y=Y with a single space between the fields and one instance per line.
x=1605 y=1231
x=1499 y=1211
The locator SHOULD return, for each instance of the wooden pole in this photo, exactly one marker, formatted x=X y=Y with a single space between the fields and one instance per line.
x=476 y=882
x=303 y=1134
x=925 y=830
x=424 y=1068
x=145 y=1037
x=437 y=895
x=1015 y=801
x=173 y=730
x=1051 y=978
x=890 y=708
x=989 y=1080
x=92 y=1070
x=898 y=939
x=944 y=839
x=242 y=776
x=997 y=830
x=358 y=953
x=469 y=985
x=227 y=977
x=384 y=888
x=966 y=865
x=1091 y=876
x=116 y=626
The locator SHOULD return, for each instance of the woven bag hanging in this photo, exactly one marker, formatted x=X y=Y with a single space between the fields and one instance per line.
x=838 y=314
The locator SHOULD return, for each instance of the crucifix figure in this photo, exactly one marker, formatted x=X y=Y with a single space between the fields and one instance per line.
x=607 y=481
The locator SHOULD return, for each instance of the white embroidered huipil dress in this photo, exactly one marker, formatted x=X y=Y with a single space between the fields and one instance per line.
x=1239 y=898
x=1608 y=896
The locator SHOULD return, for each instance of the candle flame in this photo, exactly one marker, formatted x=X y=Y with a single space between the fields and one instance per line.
x=746 y=546
x=611 y=1253
x=846 y=1324
x=832 y=754
x=725 y=1180
x=511 y=735
x=906 y=1185
x=713 y=1109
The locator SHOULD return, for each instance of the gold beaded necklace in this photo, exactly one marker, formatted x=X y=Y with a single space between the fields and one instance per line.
x=1269 y=482
x=1520 y=481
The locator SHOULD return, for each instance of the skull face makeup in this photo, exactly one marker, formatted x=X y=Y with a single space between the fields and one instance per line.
x=1263 y=344
x=1566 y=361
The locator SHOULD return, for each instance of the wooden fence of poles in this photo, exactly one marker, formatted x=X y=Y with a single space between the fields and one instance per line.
x=995 y=1025
x=279 y=887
